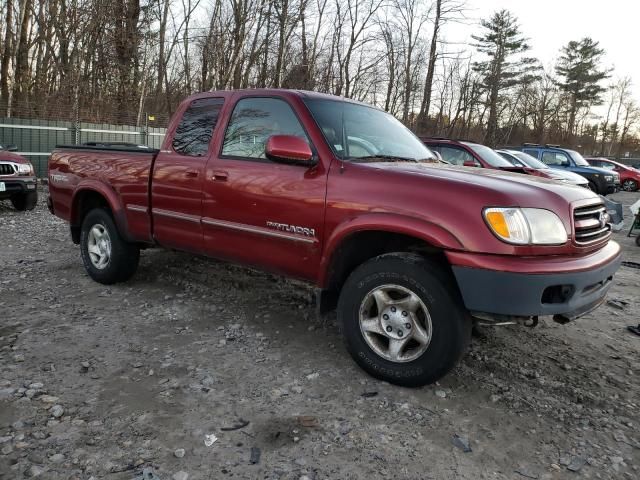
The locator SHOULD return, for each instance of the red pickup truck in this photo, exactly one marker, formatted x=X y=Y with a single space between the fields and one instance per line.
x=342 y=195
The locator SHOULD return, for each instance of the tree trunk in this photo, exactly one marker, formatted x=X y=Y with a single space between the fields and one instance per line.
x=282 y=25
x=21 y=76
x=161 y=43
x=6 y=58
x=428 y=83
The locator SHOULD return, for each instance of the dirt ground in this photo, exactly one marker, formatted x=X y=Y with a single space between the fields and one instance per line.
x=103 y=382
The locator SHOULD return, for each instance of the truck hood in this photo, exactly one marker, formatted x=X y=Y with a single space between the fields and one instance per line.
x=516 y=188
x=6 y=156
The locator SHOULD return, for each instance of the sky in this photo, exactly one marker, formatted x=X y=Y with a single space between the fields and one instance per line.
x=550 y=24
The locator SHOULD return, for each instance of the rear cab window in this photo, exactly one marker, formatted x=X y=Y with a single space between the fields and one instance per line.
x=195 y=130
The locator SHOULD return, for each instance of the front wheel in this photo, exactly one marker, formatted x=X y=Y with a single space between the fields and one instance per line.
x=629 y=185
x=107 y=258
x=25 y=201
x=402 y=319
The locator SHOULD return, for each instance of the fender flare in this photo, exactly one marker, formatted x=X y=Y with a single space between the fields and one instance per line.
x=429 y=232
x=110 y=195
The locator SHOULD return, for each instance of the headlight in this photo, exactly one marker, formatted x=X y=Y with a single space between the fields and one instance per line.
x=524 y=226
x=25 y=169
x=608 y=178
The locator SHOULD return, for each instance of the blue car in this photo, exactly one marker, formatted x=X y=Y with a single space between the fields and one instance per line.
x=601 y=180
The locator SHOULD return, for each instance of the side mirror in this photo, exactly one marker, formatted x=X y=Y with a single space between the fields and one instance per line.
x=11 y=148
x=470 y=163
x=289 y=149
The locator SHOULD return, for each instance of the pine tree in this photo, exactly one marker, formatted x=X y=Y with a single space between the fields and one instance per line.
x=580 y=72
x=505 y=67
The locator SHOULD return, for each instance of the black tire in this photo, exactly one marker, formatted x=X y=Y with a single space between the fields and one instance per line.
x=25 y=201
x=451 y=326
x=638 y=240
x=593 y=187
x=629 y=185
x=124 y=257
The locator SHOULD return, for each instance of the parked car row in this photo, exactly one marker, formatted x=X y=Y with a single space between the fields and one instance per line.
x=534 y=166
x=547 y=161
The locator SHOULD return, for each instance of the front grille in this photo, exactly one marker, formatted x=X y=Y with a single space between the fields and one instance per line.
x=591 y=224
x=7 y=169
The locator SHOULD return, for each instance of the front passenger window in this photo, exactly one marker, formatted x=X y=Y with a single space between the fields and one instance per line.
x=253 y=121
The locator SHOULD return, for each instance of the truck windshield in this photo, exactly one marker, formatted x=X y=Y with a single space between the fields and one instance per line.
x=488 y=155
x=361 y=133
x=579 y=159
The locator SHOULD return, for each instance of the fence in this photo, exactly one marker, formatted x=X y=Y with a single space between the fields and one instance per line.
x=36 y=139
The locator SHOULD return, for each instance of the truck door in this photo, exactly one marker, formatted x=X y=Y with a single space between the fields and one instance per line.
x=178 y=174
x=257 y=211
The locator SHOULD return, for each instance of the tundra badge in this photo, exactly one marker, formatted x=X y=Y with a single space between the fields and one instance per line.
x=283 y=227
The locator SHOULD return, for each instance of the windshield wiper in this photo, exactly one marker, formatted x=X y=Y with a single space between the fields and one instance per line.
x=393 y=158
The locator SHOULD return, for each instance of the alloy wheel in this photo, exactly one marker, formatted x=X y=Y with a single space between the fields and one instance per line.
x=395 y=323
x=99 y=246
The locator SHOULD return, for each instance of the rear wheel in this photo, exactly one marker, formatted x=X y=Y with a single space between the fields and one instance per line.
x=629 y=185
x=107 y=258
x=25 y=201
x=402 y=319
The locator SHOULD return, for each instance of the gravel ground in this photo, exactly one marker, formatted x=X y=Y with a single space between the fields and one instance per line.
x=103 y=382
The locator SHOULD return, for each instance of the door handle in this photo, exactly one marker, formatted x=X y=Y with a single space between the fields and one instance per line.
x=191 y=173
x=220 y=176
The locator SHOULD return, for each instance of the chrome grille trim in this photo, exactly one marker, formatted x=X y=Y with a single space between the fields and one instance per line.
x=580 y=213
x=7 y=168
x=588 y=224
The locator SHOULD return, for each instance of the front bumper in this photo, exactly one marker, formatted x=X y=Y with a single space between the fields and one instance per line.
x=570 y=288
x=15 y=185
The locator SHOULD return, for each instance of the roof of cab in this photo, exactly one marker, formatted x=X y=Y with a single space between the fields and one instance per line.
x=275 y=91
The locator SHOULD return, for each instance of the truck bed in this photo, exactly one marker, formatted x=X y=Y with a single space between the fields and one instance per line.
x=120 y=173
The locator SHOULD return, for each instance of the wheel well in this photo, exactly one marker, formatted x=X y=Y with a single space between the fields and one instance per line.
x=362 y=246
x=84 y=202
